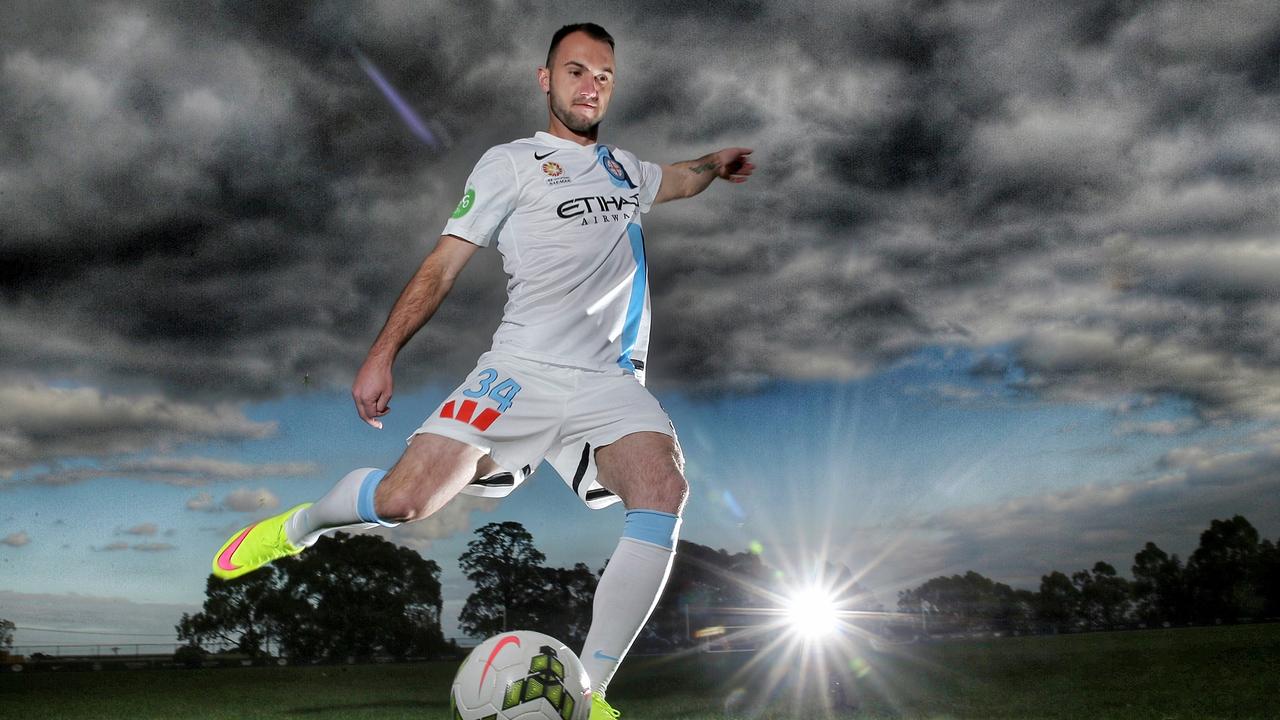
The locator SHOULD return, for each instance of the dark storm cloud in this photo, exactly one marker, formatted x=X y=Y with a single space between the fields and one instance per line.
x=214 y=200
x=1022 y=175
x=195 y=205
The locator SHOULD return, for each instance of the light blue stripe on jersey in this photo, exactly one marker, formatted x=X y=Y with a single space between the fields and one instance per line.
x=653 y=527
x=364 y=503
x=635 y=308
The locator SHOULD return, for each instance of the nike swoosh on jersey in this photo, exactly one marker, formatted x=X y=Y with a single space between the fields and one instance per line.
x=599 y=655
x=497 y=649
x=536 y=156
x=224 y=560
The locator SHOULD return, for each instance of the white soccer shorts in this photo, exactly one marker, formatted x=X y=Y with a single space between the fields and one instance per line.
x=521 y=411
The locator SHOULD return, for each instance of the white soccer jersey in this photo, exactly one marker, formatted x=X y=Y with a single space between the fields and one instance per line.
x=566 y=219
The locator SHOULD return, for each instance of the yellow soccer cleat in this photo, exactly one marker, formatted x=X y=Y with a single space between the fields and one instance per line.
x=255 y=546
x=600 y=710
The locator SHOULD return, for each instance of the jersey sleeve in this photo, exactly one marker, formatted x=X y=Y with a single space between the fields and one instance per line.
x=487 y=201
x=650 y=179
x=650 y=182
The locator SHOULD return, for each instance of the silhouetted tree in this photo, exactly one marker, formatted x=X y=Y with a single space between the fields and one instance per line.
x=359 y=596
x=1223 y=570
x=509 y=577
x=345 y=596
x=1020 y=613
x=236 y=612
x=1268 y=577
x=970 y=601
x=703 y=583
x=6 y=636
x=1058 y=602
x=563 y=609
x=1104 y=596
x=1160 y=591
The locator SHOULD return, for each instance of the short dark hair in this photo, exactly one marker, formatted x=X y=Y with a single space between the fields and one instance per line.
x=592 y=30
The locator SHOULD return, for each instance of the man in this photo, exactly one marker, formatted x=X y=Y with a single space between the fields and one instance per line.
x=563 y=378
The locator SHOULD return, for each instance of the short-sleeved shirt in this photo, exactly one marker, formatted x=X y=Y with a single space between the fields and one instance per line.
x=566 y=219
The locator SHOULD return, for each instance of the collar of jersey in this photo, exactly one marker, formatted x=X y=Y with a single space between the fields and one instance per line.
x=547 y=138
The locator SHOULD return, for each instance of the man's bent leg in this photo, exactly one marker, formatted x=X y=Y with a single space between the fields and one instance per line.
x=432 y=470
x=369 y=497
x=430 y=473
x=646 y=470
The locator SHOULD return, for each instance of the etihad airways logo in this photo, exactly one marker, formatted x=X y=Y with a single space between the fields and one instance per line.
x=600 y=208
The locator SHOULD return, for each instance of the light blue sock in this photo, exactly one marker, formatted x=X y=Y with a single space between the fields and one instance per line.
x=347 y=506
x=628 y=591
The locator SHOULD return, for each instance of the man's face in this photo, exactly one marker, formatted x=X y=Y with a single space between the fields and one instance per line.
x=579 y=82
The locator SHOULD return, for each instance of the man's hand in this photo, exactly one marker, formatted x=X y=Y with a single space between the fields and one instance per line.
x=733 y=164
x=372 y=390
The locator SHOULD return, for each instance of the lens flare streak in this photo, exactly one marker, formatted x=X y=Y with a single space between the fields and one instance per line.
x=406 y=112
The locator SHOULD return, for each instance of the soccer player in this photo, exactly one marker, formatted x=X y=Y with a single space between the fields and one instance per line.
x=563 y=379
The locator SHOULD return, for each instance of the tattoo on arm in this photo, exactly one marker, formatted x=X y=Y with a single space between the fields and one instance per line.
x=710 y=165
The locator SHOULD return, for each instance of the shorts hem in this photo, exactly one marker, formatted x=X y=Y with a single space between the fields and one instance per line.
x=611 y=436
x=600 y=503
x=462 y=437
x=488 y=492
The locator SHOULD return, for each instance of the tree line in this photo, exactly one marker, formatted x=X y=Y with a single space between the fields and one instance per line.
x=364 y=596
x=1232 y=576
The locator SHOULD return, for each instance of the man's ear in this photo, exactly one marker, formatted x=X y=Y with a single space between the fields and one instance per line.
x=544 y=79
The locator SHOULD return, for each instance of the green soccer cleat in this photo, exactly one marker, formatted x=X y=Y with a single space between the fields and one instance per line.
x=600 y=710
x=255 y=546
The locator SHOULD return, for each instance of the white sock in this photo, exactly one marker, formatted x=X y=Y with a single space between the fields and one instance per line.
x=347 y=506
x=628 y=591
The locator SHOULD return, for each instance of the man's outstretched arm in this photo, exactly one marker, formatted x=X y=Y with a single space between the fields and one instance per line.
x=688 y=178
x=417 y=303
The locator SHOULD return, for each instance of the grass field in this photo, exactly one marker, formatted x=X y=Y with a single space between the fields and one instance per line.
x=1185 y=674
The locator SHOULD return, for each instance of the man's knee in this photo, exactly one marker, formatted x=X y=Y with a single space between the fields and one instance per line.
x=431 y=472
x=646 y=471
x=664 y=491
x=673 y=492
x=399 y=504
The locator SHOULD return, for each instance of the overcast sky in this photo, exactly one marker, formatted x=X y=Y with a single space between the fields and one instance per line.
x=1019 y=258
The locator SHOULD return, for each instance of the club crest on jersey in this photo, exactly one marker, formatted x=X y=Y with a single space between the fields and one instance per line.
x=617 y=173
x=555 y=173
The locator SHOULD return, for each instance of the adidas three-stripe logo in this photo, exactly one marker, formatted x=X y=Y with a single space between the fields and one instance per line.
x=464 y=412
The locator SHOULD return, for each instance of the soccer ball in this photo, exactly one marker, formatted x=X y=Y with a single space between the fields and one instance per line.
x=521 y=675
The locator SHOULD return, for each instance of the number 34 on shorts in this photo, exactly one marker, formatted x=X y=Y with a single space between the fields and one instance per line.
x=503 y=393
